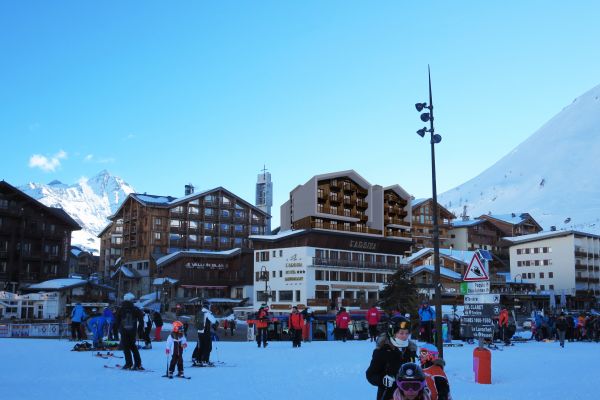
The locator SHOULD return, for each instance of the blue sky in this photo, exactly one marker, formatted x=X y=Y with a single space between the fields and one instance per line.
x=166 y=93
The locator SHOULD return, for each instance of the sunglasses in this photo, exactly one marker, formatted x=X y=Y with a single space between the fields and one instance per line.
x=411 y=386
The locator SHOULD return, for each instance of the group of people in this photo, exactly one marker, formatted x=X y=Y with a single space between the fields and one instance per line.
x=402 y=371
x=566 y=326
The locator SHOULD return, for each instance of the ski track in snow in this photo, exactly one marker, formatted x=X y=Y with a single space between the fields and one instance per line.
x=35 y=368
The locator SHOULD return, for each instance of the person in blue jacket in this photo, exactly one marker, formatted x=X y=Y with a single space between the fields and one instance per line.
x=426 y=315
x=96 y=325
x=78 y=315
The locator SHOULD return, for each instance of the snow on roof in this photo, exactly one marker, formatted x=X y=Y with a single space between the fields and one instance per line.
x=128 y=272
x=168 y=257
x=443 y=271
x=471 y=222
x=149 y=198
x=546 y=235
x=160 y=281
x=76 y=251
x=461 y=256
x=279 y=235
x=417 y=202
x=514 y=218
x=57 y=284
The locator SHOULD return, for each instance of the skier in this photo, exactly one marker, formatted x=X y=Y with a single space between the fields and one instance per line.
x=342 y=320
x=147 y=329
x=96 y=325
x=435 y=377
x=426 y=315
x=176 y=343
x=410 y=382
x=296 y=323
x=503 y=323
x=373 y=317
x=261 y=325
x=561 y=328
x=78 y=315
x=110 y=322
x=393 y=349
x=205 y=322
x=130 y=320
x=158 y=322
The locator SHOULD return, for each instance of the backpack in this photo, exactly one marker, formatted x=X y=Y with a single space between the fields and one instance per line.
x=200 y=321
x=128 y=320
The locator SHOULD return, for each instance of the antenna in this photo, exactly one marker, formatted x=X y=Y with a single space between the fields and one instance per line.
x=264 y=170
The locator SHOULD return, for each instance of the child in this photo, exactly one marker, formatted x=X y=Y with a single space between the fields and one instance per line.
x=410 y=382
x=176 y=343
x=435 y=377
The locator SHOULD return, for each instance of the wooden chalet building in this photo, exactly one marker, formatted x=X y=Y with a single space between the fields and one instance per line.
x=35 y=239
x=82 y=263
x=422 y=224
x=164 y=236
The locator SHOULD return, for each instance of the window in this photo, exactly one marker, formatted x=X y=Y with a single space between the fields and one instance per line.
x=209 y=226
x=541 y=275
x=226 y=201
x=209 y=212
x=280 y=273
x=257 y=258
x=274 y=253
x=264 y=256
x=319 y=276
x=280 y=253
x=239 y=228
x=542 y=287
x=334 y=276
x=551 y=287
x=255 y=230
x=207 y=239
x=239 y=214
x=156 y=235
x=175 y=223
x=333 y=210
x=237 y=241
x=286 y=295
x=550 y=274
x=319 y=208
x=225 y=213
x=225 y=228
x=297 y=295
x=193 y=238
x=225 y=240
x=193 y=224
x=193 y=210
x=3 y=268
x=274 y=273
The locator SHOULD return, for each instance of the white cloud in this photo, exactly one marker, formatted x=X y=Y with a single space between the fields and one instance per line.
x=97 y=160
x=89 y=157
x=47 y=164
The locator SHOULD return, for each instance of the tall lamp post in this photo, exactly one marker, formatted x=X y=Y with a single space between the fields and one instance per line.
x=264 y=276
x=434 y=139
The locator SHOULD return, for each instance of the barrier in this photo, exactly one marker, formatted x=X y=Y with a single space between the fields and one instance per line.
x=39 y=330
x=482 y=365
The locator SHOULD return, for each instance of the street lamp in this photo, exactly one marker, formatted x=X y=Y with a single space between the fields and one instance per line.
x=264 y=276
x=434 y=138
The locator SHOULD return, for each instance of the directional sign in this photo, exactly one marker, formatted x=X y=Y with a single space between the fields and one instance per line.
x=478 y=287
x=488 y=298
x=475 y=271
x=481 y=310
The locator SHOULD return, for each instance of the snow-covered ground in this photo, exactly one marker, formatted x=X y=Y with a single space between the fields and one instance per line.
x=37 y=369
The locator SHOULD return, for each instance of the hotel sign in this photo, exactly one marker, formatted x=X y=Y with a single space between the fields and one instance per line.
x=205 y=265
x=363 y=245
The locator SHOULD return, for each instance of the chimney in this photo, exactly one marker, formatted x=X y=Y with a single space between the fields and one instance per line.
x=189 y=189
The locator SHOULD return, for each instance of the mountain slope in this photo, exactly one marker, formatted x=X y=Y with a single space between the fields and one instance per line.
x=553 y=174
x=89 y=202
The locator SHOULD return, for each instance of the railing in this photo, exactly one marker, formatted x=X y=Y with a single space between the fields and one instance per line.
x=334 y=262
x=399 y=234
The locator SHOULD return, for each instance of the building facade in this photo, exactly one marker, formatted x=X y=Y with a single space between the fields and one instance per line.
x=187 y=228
x=422 y=224
x=264 y=195
x=35 y=239
x=323 y=269
x=559 y=263
x=82 y=263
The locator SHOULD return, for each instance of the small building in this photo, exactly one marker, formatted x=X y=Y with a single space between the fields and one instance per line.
x=82 y=263
x=422 y=224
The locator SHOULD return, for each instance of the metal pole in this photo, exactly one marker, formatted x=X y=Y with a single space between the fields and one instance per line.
x=436 y=235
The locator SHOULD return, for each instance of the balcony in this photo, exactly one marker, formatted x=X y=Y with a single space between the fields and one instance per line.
x=318 y=302
x=358 y=264
x=334 y=198
x=347 y=186
x=399 y=234
x=587 y=279
x=362 y=203
x=580 y=267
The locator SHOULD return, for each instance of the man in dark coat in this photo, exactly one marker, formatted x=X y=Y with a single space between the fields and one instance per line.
x=130 y=321
x=394 y=348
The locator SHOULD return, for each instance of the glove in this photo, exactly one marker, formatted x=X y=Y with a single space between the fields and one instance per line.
x=167 y=351
x=388 y=381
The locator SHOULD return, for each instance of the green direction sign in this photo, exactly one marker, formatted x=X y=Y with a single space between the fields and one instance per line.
x=464 y=288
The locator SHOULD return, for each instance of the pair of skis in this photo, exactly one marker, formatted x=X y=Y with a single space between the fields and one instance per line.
x=109 y=354
x=120 y=367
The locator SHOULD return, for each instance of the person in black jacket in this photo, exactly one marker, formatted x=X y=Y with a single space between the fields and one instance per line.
x=130 y=321
x=394 y=348
x=561 y=328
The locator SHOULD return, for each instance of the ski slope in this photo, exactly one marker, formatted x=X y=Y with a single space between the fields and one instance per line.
x=43 y=368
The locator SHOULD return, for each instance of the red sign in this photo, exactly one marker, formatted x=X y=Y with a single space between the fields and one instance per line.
x=475 y=271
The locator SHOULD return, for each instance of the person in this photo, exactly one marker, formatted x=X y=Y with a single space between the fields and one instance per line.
x=78 y=315
x=130 y=320
x=147 y=329
x=393 y=349
x=205 y=322
x=109 y=317
x=225 y=326
x=158 y=323
x=176 y=344
x=342 y=320
x=96 y=324
x=561 y=328
x=261 y=325
x=307 y=331
x=373 y=317
x=232 y=324
x=426 y=316
x=503 y=324
x=410 y=383
x=296 y=323
x=435 y=377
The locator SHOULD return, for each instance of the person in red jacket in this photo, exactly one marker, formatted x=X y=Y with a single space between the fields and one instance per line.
x=435 y=377
x=296 y=323
x=342 y=320
x=503 y=324
x=262 y=324
x=373 y=317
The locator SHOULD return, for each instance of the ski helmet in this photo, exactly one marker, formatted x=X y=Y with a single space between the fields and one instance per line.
x=410 y=379
x=397 y=323
x=428 y=353
x=177 y=326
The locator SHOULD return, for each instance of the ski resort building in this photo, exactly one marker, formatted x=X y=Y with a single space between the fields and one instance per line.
x=422 y=224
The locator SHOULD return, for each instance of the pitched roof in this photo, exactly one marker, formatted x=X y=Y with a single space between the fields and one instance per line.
x=463 y=257
x=448 y=273
x=196 y=253
x=546 y=235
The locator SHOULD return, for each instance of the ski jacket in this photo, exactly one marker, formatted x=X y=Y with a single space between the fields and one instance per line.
x=386 y=360
x=503 y=318
x=130 y=319
x=561 y=324
x=96 y=325
x=437 y=382
x=342 y=320
x=108 y=315
x=373 y=316
x=296 y=321
x=426 y=314
x=263 y=319
x=78 y=314
x=206 y=321
x=176 y=345
x=157 y=319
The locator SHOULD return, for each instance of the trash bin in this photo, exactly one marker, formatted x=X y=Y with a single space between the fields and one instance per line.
x=482 y=365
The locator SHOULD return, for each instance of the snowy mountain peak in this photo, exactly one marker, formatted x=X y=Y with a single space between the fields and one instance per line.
x=551 y=174
x=90 y=202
